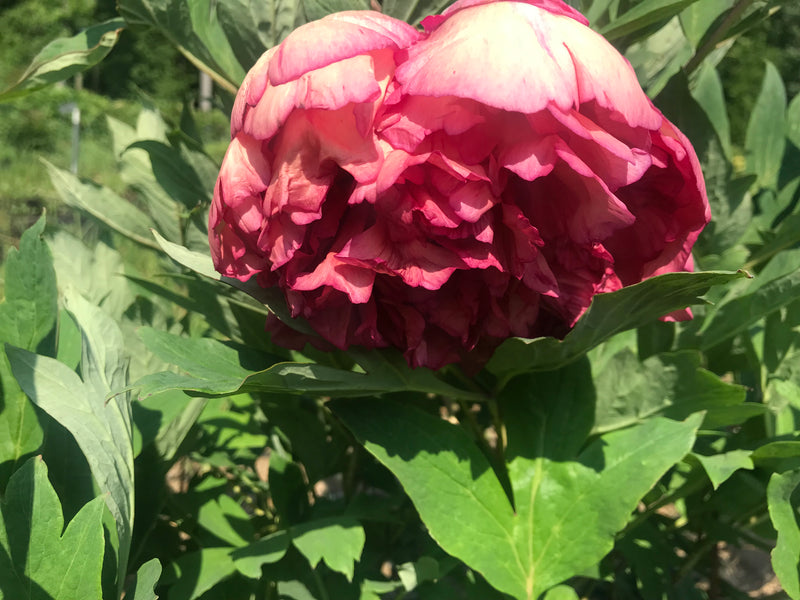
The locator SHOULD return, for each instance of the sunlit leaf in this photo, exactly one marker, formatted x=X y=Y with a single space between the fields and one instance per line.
x=783 y=511
x=65 y=57
x=766 y=131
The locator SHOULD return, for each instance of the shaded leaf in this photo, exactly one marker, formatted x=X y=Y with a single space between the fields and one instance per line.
x=199 y=571
x=673 y=385
x=39 y=559
x=253 y=26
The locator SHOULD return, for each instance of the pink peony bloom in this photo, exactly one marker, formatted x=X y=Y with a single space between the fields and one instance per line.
x=440 y=191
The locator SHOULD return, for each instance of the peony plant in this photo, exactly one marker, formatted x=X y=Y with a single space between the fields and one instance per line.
x=451 y=318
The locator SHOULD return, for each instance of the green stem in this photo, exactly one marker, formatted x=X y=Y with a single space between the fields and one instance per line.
x=717 y=36
x=323 y=593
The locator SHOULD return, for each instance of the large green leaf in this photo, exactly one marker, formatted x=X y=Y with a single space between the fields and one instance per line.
x=64 y=57
x=101 y=428
x=103 y=204
x=607 y=315
x=189 y=30
x=560 y=496
x=765 y=140
x=213 y=368
x=783 y=512
x=27 y=318
x=39 y=559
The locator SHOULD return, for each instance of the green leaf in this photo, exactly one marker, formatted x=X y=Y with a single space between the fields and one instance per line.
x=644 y=14
x=270 y=549
x=173 y=173
x=101 y=428
x=782 y=512
x=449 y=480
x=672 y=385
x=39 y=559
x=793 y=121
x=769 y=291
x=413 y=11
x=226 y=519
x=698 y=18
x=719 y=467
x=561 y=592
x=316 y=9
x=65 y=57
x=765 y=139
x=199 y=571
x=213 y=368
x=27 y=318
x=658 y=57
x=180 y=24
x=526 y=550
x=608 y=314
x=338 y=541
x=142 y=586
x=201 y=263
x=252 y=26
x=31 y=299
x=709 y=94
x=103 y=204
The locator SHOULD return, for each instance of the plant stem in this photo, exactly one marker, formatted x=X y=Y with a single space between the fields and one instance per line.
x=323 y=593
x=717 y=36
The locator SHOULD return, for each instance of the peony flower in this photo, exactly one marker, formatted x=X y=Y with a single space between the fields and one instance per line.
x=438 y=191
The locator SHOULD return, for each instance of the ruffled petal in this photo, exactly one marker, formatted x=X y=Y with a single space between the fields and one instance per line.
x=335 y=38
x=534 y=56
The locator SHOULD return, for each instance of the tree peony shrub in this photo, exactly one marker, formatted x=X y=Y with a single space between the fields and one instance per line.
x=439 y=191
